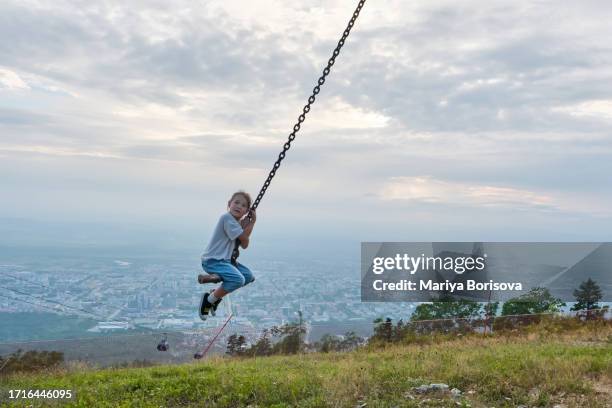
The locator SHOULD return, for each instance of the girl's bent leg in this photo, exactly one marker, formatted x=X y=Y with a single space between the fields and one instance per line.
x=246 y=272
x=232 y=278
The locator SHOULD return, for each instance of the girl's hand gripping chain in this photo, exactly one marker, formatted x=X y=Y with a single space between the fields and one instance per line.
x=250 y=218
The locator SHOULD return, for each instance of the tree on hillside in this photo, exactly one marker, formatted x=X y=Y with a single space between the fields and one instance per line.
x=490 y=309
x=537 y=300
x=587 y=295
x=446 y=308
x=383 y=329
x=262 y=347
x=291 y=336
x=285 y=339
x=32 y=360
x=236 y=345
x=351 y=341
x=329 y=343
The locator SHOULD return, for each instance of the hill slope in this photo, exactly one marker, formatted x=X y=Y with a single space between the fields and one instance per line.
x=542 y=366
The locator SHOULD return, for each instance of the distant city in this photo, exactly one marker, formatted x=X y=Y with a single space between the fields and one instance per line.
x=106 y=307
x=121 y=294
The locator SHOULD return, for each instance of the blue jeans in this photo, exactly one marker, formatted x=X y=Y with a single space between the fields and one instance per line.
x=233 y=277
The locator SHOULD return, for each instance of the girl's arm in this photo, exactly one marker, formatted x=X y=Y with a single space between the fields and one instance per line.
x=247 y=226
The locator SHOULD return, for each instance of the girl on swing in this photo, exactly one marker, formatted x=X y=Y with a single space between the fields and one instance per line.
x=217 y=255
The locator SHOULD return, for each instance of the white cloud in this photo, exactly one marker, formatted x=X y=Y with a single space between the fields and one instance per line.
x=427 y=189
x=601 y=109
x=335 y=113
x=431 y=190
x=10 y=80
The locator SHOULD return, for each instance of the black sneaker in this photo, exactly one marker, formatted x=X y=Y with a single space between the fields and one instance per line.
x=205 y=306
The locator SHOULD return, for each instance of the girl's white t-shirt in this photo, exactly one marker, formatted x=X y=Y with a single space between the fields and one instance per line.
x=221 y=244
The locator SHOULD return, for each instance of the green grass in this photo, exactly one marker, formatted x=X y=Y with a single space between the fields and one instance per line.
x=538 y=367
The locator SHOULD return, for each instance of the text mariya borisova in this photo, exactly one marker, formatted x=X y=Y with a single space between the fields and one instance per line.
x=408 y=285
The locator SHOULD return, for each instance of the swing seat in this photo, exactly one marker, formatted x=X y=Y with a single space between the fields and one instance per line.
x=209 y=278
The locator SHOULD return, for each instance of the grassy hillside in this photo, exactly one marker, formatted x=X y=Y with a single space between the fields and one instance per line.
x=542 y=366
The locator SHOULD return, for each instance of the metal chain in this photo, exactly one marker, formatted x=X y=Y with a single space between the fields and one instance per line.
x=301 y=118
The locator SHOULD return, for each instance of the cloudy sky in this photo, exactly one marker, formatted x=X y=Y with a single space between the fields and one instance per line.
x=440 y=121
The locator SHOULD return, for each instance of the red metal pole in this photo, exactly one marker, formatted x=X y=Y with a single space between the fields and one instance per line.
x=210 y=343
